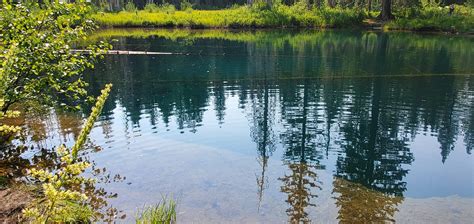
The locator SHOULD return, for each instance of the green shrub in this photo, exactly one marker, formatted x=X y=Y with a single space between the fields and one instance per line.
x=7 y=131
x=130 y=7
x=37 y=64
x=470 y=3
x=167 y=8
x=434 y=19
x=65 y=199
x=186 y=6
x=151 y=7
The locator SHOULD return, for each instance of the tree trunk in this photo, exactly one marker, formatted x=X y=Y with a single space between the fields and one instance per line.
x=369 y=5
x=332 y=3
x=386 y=13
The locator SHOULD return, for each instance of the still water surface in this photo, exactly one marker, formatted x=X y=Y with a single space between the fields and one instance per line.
x=272 y=127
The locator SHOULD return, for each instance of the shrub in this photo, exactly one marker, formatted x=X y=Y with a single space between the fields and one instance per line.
x=37 y=64
x=7 y=131
x=151 y=7
x=167 y=8
x=130 y=7
x=64 y=198
x=434 y=19
x=186 y=6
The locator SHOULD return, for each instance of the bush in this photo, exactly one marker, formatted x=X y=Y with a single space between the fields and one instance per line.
x=167 y=8
x=434 y=19
x=37 y=64
x=186 y=6
x=65 y=197
x=151 y=7
x=130 y=7
x=7 y=131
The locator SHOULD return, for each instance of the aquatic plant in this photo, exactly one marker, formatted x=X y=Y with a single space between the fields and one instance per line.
x=164 y=212
x=64 y=199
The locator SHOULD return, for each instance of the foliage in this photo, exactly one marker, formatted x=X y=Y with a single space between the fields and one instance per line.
x=163 y=8
x=164 y=212
x=409 y=14
x=186 y=6
x=245 y=16
x=130 y=7
x=167 y=8
x=434 y=19
x=151 y=7
x=7 y=131
x=470 y=3
x=37 y=62
x=64 y=198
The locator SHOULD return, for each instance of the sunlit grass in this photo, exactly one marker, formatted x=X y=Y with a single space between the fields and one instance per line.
x=163 y=213
x=241 y=17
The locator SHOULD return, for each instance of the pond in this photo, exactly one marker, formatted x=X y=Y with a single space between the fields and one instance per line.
x=285 y=126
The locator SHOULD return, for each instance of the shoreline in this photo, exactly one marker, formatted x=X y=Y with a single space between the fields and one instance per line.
x=363 y=27
x=367 y=28
x=429 y=20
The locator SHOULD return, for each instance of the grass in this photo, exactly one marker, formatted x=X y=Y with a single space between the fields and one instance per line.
x=238 y=17
x=163 y=213
x=434 y=19
x=281 y=16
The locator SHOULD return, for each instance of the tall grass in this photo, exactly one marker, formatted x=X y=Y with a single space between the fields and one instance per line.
x=237 y=17
x=162 y=213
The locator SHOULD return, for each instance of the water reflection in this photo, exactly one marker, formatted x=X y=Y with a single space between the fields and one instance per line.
x=263 y=119
x=306 y=104
x=359 y=204
x=52 y=129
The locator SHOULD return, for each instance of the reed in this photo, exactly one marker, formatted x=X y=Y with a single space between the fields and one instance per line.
x=164 y=213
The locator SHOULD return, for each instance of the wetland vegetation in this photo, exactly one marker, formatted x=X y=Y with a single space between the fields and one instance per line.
x=414 y=15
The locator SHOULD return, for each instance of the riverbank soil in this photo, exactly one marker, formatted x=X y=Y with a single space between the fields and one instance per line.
x=14 y=200
x=373 y=24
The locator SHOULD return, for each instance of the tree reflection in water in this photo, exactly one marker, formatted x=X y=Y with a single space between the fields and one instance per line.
x=349 y=95
x=359 y=204
x=13 y=163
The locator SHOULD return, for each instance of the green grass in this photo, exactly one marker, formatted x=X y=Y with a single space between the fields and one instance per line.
x=434 y=19
x=240 y=17
x=163 y=213
x=282 y=16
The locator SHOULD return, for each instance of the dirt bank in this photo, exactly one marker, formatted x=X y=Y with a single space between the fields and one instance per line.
x=14 y=200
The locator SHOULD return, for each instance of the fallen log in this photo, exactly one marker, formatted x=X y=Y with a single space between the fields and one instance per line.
x=127 y=52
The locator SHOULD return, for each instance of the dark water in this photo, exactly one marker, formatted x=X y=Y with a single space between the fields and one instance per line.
x=273 y=127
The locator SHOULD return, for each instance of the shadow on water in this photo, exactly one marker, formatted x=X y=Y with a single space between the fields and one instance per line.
x=331 y=117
